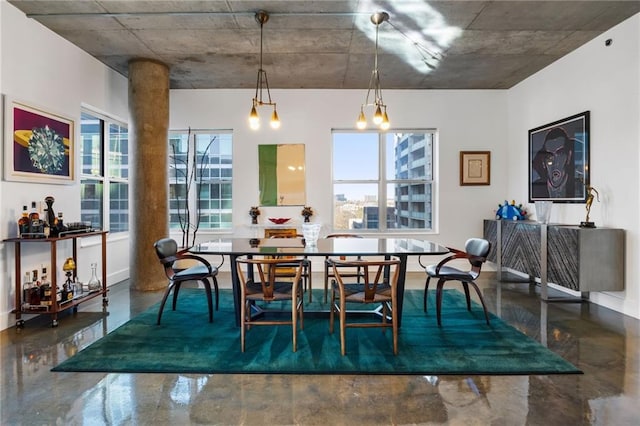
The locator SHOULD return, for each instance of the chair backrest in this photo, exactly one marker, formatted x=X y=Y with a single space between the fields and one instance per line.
x=477 y=247
x=338 y=235
x=376 y=274
x=166 y=250
x=341 y=235
x=267 y=272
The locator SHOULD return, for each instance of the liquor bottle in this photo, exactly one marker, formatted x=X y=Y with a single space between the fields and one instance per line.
x=60 y=224
x=45 y=288
x=23 y=222
x=35 y=289
x=34 y=220
x=26 y=290
x=34 y=215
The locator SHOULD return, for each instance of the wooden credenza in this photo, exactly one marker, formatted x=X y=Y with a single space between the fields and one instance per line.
x=580 y=259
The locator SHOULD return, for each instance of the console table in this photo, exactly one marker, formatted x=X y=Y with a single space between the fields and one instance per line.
x=579 y=259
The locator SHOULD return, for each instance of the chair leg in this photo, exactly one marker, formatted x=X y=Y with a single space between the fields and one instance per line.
x=215 y=286
x=176 y=290
x=426 y=291
x=486 y=314
x=243 y=315
x=439 y=301
x=465 y=285
x=343 y=326
x=164 y=300
x=332 y=312
x=207 y=289
x=308 y=268
x=294 y=320
x=300 y=309
x=326 y=282
x=394 y=319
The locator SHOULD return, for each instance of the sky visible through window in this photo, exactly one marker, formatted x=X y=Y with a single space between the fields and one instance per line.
x=355 y=157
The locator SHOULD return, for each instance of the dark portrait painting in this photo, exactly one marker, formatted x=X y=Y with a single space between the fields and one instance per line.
x=559 y=160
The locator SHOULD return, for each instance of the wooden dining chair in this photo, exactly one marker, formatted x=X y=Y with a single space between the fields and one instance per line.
x=476 y=251
x=346 y=273
x=266 y=287
x=201 y=270
x=379 y=287
x=289 y=271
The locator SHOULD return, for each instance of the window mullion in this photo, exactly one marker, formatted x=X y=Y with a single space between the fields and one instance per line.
x=192 y=168
x=382 y=186
x=106 y=197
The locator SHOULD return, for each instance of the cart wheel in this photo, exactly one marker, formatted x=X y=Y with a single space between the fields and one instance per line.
x=54 y=323
x=20 y=323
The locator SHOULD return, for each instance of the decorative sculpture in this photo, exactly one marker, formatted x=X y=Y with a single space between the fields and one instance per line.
x=511 y=211
x=590 y=196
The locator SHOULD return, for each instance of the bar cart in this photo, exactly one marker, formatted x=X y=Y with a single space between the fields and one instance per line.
x=57 y=306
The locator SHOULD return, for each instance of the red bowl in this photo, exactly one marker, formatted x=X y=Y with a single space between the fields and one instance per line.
x=279 y=220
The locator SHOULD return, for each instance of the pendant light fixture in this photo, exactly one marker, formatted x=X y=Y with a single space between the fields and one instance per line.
x=380 y=117
x=262 y=84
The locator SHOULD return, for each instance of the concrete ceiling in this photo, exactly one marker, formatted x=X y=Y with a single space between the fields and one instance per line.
x=330 y=44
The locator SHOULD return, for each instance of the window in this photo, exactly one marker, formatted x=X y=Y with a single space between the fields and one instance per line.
x=200 y=179
x=389 y=187
x=104 y=197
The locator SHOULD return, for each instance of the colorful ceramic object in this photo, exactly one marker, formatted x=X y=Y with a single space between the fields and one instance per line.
x=511 y=211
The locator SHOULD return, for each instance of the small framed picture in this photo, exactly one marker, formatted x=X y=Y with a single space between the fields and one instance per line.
x=475 y=168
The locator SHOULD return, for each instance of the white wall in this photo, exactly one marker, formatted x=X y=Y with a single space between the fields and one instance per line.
x=465 y=120
x=606 y=81
x=603 y=80
x=42 y=69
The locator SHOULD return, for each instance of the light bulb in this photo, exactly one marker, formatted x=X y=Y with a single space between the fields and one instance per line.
x=275 y=120
x=254 y=120
x=362 y=121
x=377 y=117
x=385 y=121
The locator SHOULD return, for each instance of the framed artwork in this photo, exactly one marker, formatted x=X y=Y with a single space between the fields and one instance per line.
x=559 y=160
x=281 y=171
x=475 y=168
x=38 y=145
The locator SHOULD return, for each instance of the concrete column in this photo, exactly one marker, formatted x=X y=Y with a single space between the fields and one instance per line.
x=148 y=179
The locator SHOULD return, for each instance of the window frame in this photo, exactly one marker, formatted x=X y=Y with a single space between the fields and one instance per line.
x=383 y=182
x=174 y=227
x=104 y=177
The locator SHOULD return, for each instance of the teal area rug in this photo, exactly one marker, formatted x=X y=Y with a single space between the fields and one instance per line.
x=186 y=342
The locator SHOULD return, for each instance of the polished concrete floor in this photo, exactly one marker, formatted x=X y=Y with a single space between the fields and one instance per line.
x=602 y=343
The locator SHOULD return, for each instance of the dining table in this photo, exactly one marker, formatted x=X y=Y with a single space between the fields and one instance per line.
x=400 y=248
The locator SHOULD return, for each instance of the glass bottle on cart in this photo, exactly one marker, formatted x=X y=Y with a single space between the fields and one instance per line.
x=94 y=283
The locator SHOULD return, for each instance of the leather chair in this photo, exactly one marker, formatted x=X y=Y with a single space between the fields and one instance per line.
x=346 y=273
x=476 y=251
x=379 y=287
x=170 y=257
x=265 y=287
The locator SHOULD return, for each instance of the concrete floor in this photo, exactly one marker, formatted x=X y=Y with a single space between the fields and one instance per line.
x=602 y=343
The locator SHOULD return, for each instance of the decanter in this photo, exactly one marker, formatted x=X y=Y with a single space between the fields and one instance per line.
x=94 y=283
